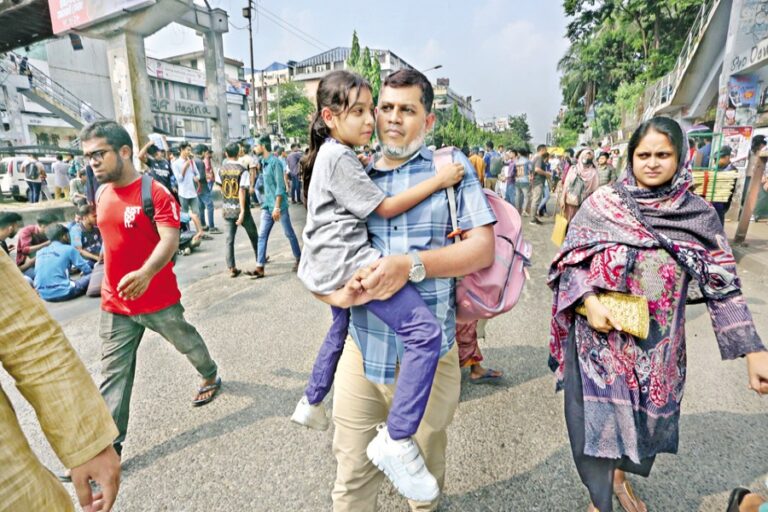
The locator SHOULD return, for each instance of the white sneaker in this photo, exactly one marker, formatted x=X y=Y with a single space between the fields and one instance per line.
x=310 y=416
x=403 y=464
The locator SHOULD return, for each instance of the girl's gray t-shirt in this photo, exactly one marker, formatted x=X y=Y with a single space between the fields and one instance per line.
x=341 y=196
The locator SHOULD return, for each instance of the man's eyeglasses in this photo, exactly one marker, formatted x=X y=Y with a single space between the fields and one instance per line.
x=96 y=156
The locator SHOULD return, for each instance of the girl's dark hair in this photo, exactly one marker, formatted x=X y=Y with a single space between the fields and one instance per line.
x=333 y=92
x=663 y=125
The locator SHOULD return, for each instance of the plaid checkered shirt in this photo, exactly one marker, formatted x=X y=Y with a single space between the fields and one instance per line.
x=426 y=226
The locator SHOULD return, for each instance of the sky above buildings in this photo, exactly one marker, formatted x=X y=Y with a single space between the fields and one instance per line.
x=504 y=52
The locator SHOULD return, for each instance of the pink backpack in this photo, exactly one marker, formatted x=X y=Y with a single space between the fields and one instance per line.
x=496 y=289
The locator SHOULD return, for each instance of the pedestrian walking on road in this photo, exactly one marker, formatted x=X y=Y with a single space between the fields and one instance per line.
x=274 y=207
x=139 y=290
x=623 y=393
x=204 y=192
x=539 y=179
x=340 y=197
x=294 y=170
x=235 y=185
x=366 y=378
x=579 y=184
x=46 y=370
x=34 y=173
x=187 y=178
x=523 y=172
x=60 y=170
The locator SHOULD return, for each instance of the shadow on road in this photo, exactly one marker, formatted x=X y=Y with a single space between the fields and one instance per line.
x=258 y=410
x=719 y=451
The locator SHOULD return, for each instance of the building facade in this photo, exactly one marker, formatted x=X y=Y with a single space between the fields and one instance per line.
x=446 y=98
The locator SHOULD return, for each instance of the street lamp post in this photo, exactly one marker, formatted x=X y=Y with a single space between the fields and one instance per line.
x=432 y=68
x=247 y=14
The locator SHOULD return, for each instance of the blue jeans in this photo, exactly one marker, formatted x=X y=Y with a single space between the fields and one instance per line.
x=408 y=315
x=295 y=189
x=523 y=196
x=266 y=227
x=34 y=191
x=205 y=205
x=78 y=289
x=542 y=207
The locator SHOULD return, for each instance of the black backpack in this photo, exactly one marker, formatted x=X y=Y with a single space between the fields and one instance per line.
x=32 y=171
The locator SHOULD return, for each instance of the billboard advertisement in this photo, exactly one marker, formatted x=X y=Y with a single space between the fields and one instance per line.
x=75 y=14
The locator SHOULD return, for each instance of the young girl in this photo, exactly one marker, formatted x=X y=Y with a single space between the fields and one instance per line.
x=340 y=196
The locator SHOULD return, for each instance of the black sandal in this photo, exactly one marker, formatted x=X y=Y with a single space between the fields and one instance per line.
x=737 y=496
x=205 y=389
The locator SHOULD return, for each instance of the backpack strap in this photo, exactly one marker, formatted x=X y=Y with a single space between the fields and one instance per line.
x=443 y=157
x=147 y=204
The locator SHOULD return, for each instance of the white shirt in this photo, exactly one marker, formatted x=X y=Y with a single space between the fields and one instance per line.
x=187 y=187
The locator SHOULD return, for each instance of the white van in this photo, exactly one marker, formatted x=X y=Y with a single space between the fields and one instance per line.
x=12 y=182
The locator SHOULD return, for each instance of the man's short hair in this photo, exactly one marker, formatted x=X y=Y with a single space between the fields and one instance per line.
x=295 y=146
x=411 y=77
x=46 y=219
x=85 y=210
x=201 y=149
x=184 y=145
x=152 y=149
x=59 y=157
x=56 y=232
x=489 y=144
x=540 y=147
x=232 y=149
x=116 y=135
x=8 y=218
x=605 y=154
x=265 y=141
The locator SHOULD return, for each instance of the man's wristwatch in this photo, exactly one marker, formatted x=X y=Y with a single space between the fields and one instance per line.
x=417 y=272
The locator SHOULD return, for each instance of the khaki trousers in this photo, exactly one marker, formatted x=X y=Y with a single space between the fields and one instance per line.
x=490 y=183
x=359 y=405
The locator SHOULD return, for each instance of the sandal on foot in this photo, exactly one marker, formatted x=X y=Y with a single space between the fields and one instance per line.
x=205 y=389
x=627 y=498
x=489 y=377
x=737 y=496
x=234 y=272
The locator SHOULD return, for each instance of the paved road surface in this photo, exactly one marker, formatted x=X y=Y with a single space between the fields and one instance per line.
x=508 y=446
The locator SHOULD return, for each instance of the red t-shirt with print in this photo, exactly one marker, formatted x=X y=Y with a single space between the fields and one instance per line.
x=129 y=239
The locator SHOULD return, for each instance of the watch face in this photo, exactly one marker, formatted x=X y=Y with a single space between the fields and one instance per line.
x=418 y=273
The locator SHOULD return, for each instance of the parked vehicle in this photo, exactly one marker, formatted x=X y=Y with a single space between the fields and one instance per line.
x=12 y=182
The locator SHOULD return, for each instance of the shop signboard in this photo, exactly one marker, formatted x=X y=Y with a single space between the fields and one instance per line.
x=174 y=73
x=76 y=14
x=183 y=108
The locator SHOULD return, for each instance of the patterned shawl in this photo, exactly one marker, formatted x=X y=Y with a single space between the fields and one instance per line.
x=670 y=217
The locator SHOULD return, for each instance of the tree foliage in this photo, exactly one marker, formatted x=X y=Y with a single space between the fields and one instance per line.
x=615 y=42
x=354 y=56
x=366 y=65
x=295 y=109
x=453 y=129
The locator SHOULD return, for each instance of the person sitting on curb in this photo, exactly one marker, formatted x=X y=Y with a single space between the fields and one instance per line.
x=30 y=240
x=85 y=235
x=52 y=266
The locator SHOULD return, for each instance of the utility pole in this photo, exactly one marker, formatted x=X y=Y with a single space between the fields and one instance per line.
x=279 y=121
x=248 y=14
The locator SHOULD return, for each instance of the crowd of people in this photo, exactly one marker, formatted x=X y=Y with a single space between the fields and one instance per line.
x=376 y=249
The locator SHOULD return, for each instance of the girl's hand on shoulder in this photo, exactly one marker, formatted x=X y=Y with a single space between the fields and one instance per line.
x=451 y=174
x=599 y=316
x=757 y=370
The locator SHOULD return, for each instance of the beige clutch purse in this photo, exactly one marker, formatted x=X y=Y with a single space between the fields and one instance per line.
x=631 y=311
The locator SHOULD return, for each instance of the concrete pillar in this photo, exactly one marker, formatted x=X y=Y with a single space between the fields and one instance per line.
x=131 y=89
x=216 y=90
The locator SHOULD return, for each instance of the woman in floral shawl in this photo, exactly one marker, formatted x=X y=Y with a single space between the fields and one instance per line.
x=646 y=235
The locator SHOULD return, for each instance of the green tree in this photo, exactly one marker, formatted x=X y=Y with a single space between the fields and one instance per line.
x=375 y=77
x=366 y=66
x=295 y=109
x=353 y=62
x=518 y=125
x=614 y=42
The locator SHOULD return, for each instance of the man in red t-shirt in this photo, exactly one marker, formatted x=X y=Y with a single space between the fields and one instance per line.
x=139 y=290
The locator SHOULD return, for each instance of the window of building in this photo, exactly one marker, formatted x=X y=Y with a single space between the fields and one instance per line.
x=193 y=63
